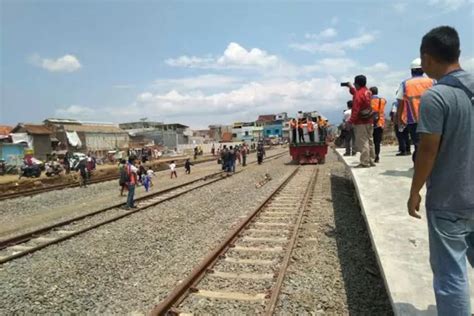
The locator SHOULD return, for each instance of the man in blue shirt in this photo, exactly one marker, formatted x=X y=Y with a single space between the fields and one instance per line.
x=445 y=161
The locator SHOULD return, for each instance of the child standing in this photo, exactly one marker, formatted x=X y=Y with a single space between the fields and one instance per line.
x=173 y=169
x=150 y=173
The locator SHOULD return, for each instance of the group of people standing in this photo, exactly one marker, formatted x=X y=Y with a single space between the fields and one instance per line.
x=437 y=117
x=364 y=119
x=297 y=129
x=230 y=156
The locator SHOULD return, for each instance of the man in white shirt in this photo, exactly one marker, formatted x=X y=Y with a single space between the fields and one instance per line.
x=349 y=131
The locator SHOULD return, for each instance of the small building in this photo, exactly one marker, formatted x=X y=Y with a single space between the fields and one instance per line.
x=38 y=138
x=5 y=133
x=169 y=135
x=97 y=138
x=12 y=154
x=273 y=130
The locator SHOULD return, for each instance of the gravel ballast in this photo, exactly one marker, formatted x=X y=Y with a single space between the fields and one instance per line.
x=333 y=270
x=21 y=215
x=131 y=264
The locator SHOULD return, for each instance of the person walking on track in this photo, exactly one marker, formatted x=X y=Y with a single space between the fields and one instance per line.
x=173 y=169
x=445 y=161
x=132 y=180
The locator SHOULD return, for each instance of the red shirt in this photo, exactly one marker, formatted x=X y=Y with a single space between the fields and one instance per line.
x=360 y=100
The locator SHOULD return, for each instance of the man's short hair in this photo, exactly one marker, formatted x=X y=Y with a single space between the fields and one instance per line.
x=360 y=80
x=374 y=90
x=349 y=104
x=442 y=43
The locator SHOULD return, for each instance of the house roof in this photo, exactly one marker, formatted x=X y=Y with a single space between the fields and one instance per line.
x=106 y=129
x=5 y=130
x=32 y=129
x=266 y=118
x=61 y=121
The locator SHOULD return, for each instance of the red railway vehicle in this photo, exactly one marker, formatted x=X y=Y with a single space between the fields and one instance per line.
x=310 y=152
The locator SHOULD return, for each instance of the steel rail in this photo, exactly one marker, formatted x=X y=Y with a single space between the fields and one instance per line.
x=187 y=285
x=41 y=231
x=275 y=291
x=32 y=234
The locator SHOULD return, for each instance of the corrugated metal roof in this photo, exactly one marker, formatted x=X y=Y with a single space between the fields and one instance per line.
x=32 y=129
x=107 y=129
x=5 y=130
x=266 y=118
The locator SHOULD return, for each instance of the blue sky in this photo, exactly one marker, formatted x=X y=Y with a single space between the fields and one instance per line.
x=206 y=62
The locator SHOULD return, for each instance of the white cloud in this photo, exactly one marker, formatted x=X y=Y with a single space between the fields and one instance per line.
x=337 y=47
x=400 y=7
x=67 y=63
x=206 y=81
x=467 y=63
x=191 y=62
x=326 y=33
x=235 y=57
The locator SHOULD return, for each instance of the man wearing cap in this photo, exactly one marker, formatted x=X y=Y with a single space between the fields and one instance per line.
x=408 y=97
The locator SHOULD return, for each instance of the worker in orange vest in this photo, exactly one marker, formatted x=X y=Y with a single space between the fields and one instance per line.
x=300 y=131
x=293 y=127
x=321 y=128
x=378 y=108
x=310 y=127
x=408 y=97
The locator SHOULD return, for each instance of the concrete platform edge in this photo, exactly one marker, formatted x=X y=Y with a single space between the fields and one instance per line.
x=374 y=248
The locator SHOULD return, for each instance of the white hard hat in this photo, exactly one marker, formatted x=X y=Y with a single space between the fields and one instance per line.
x=416 y=63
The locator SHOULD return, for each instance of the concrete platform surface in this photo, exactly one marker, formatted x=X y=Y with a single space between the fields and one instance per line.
x=400 y=242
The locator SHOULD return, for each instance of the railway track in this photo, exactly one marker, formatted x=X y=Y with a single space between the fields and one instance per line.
x=24 y=244
x=244 y=274
x=48 y=188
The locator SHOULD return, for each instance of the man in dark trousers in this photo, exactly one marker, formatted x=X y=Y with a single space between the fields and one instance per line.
x=300 y=131
x=244 y=155
x=260 y=152
x=293 y=127
x=82 y=168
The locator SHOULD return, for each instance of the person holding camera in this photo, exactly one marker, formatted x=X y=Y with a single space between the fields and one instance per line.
x=378 y=107
x=362 y=120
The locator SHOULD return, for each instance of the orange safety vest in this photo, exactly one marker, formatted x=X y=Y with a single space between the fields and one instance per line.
x=300 y=125
x=310 y=126
x=413 y=90
x=293 y=124
x=378 y=105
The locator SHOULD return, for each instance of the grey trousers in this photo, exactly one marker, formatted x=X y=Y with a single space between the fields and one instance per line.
x=364 y=143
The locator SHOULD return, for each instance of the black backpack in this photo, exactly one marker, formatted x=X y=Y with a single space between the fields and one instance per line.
x=124 y=176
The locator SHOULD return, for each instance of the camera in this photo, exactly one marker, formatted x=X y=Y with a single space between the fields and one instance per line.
x=344 y=84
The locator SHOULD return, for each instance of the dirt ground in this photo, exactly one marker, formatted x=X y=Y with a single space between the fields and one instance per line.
x=11 y=183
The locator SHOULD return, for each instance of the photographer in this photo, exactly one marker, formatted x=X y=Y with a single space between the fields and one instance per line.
x=362 y=120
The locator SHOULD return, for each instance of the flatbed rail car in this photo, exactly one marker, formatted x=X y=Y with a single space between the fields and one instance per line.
x=309 y=153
